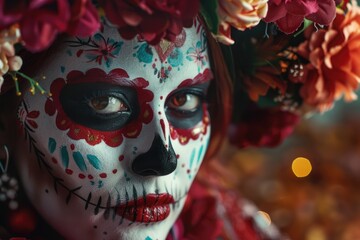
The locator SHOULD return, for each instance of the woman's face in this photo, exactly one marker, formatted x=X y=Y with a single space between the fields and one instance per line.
x=113 y=152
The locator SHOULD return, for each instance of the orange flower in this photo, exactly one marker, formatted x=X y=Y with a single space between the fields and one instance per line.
x=334 y=64
x=241 y=14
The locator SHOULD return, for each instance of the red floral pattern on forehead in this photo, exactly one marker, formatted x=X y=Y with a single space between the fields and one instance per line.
x=92 y=136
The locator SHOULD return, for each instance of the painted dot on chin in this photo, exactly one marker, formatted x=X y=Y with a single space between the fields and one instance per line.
x=121 y=157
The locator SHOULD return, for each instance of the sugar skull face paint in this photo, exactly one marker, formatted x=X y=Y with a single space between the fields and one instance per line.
x=118 y=144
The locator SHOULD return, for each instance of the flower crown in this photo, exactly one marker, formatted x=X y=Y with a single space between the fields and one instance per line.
x=289 y=57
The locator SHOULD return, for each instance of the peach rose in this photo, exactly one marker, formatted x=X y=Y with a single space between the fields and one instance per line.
x=333 y=70
x=8 y=60
x=241 y=14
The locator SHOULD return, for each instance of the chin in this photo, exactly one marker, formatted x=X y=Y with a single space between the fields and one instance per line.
x=96 y=227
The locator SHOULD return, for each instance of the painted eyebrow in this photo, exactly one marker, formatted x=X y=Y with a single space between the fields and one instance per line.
x=201 y=78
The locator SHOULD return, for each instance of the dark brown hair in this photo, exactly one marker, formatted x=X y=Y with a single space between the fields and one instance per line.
x=220 y=98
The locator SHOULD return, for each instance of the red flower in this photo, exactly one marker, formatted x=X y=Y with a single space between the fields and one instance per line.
x=263 y=128
x=111 y=138
x=41 y=20
x=289 y=14
x=334 y=68
x=153 y=20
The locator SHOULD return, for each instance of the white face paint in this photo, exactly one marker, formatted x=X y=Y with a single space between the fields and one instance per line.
x=117 y=146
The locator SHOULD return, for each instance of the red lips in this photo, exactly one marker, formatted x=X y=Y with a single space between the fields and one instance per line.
x=152 y=208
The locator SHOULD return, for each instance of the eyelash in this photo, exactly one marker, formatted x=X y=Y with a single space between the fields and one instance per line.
x=97 y=94
x=198 y=93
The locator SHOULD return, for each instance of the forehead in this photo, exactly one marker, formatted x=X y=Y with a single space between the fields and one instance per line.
x=165 y=64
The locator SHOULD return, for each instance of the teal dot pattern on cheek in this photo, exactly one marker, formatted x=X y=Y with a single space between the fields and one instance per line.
x=192 y=158
x=52 y=145
x=94 y=161
x=64 y=156
x=79 y=160
x=82 y=165
x=194 y=161
x=200 y=155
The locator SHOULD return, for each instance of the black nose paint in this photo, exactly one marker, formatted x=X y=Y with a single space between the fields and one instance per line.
x=158 y=161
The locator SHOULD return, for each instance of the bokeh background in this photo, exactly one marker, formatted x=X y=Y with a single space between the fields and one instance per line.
x=309 y=185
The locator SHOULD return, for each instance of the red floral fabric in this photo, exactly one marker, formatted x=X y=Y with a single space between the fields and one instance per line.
x=211 y=212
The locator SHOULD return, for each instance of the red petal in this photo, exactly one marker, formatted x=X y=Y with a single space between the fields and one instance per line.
x=50 y=107
x=33 y=114
x=32 y=123
x=301 y=8
x=325 y=14
x=275 y=12
x=289 y=23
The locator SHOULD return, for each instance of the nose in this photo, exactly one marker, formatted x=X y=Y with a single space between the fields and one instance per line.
x=158 y=161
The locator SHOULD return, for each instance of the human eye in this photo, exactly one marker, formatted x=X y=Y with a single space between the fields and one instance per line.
x=108 y=105
x=184 y=102
x=185 y=108
x=100 y=106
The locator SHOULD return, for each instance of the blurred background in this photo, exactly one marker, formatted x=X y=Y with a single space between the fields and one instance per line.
x=309 y=185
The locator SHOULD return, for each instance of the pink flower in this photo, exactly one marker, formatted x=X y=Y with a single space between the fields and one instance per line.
x=289 y=14
x=153 y=20
x=42 y=20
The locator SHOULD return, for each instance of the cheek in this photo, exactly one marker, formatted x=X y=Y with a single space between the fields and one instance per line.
x=190 y=145
x=201 y=129
x=70 y=163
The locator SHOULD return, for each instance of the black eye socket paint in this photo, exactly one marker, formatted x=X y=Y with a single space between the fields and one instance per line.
x=187 y=119
x=75 y=99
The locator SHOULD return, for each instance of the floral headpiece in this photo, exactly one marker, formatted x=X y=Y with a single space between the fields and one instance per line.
x=290 y=56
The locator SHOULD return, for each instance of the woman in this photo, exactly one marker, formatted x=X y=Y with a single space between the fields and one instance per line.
x=133 y=106
x=113 y=149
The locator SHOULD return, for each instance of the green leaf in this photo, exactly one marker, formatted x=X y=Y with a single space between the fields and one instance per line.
x=306 y=24
x=209 y=12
